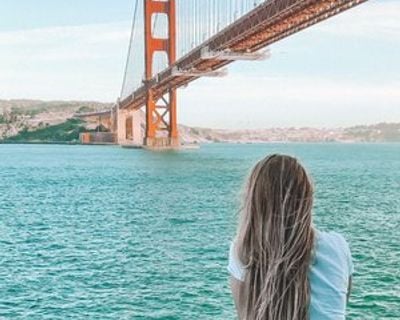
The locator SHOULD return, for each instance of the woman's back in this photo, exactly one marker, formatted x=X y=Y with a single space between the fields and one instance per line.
x=287 y=270
x=329 y=275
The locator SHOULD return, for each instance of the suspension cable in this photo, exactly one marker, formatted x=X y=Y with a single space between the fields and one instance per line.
x=133 y=32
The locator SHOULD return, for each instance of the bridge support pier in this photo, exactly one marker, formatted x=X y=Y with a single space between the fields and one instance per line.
x=121 y=126
x=161 y=115
x=129 y=127
x=137 y=135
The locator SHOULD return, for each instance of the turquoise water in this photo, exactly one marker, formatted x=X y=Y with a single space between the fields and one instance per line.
x=111 y=233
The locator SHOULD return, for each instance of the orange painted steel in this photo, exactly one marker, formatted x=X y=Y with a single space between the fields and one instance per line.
x=161 y=117
x=263 y=26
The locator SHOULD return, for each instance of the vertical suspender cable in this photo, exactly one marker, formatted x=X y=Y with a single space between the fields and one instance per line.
x=193 y=24
x=218 y=21
x=196 y=23
x=209 y=19
x=203 y=13
x=133 y=32
x=201 y=22
x=185 y=27
x=234 y=9
x=214 y=19
x=231 y=11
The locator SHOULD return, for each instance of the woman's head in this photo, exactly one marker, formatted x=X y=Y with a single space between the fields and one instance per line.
x=275 y=240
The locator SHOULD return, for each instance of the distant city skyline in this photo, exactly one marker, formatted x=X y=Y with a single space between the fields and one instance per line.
x=342 y=72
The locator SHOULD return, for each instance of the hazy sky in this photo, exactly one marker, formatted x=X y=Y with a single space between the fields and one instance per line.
x=341 y=72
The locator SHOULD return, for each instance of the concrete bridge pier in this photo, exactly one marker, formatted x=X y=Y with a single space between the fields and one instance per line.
x=129 y=128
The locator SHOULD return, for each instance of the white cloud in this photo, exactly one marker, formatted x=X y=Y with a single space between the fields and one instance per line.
x=92 y=33
x=64 y=62
x=66 y=40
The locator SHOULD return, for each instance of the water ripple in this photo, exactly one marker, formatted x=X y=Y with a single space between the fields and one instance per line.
x=108 y=233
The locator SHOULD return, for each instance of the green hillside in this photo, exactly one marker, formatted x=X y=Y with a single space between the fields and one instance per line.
x=65 y=132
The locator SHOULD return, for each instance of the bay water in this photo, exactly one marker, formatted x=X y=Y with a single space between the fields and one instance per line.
x=92 y=232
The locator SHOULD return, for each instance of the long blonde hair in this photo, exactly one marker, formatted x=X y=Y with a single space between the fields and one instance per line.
x=275 y=241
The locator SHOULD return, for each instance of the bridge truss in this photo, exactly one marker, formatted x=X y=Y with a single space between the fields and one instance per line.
x=207 y=37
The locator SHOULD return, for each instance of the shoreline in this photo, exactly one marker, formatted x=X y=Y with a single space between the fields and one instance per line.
x=199 y=144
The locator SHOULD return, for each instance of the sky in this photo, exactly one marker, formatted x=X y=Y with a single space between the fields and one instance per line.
x=342 y=72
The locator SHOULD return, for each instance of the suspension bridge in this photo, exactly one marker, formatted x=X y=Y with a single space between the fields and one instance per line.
x=175 y=42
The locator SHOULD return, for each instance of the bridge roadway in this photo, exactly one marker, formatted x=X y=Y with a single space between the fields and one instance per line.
x=264 y=25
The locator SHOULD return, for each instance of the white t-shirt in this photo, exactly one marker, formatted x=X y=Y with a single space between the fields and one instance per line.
x=329 y=275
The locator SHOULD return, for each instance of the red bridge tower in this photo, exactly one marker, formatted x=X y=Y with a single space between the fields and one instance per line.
x=161 y=118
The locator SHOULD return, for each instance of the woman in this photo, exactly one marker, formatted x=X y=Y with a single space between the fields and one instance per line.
x=281 y=267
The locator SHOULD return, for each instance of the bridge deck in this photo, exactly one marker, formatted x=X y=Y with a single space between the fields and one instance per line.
x=264 y=25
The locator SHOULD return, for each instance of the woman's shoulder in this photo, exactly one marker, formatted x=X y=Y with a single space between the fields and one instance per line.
x=332 y=241
x=335 y=246
x=331 y=237
x=235 y=266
